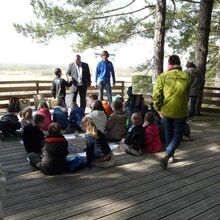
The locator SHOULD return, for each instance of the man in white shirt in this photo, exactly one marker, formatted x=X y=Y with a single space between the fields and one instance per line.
x=80 y=74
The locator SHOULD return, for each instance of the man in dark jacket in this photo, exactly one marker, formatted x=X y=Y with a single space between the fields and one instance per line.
x=80 y=74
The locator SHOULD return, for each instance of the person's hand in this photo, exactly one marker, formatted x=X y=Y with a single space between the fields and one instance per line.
x=161 y=114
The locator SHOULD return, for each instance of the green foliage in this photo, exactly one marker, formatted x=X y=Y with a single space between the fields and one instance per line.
x=93 y=21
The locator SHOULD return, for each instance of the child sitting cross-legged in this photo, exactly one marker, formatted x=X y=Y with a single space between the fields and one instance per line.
x=43 y=109
x=116 y=124
x=134 y=141
x=152 y=135
x=33 y=136
x=60 y=114
x=98 y=152
x=53 y=159
x=26 y=116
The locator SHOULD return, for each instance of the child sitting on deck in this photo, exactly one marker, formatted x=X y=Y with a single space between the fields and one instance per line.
x=26 y=116
x=98 y=116
x=76 y=115
x=134 y=142
x=60 y=114
x=152 y=136
x=91 y=101
x=32 y=135
x=9 y=123
x=53 y=159
x=98 y=152
x=43 y=109
x=116 y=124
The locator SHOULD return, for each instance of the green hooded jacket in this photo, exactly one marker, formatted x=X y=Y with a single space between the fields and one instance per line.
x=171 y=92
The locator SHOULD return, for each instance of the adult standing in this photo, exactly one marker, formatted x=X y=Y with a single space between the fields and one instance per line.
x=80 y=74
x=104 y=71
x=170 y=97
x=196 y=84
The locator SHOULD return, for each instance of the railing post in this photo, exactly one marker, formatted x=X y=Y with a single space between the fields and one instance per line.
x=123 y=89
x=37 y=86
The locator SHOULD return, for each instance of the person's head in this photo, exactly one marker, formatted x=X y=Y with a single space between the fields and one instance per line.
x=118 y=98
x=149 y=118
x=78 y=59
x=89 y=127
x=43 y=104
x=136 y=118
x=93 y=97
x=60 y=102
x=174 y=60
x=39 y=120
x=117 y=106
x=54 y=129
x=98 y=106
x=190 y=65
x=26 y=113
x=105 y=55
x=58 y=72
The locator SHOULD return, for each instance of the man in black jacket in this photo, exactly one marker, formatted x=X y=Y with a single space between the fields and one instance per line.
x=80 y=74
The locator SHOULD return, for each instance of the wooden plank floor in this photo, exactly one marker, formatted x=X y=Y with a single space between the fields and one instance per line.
x=135 y=189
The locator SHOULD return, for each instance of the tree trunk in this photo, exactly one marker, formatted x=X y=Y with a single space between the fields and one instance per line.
x=202 y=44
x=159 y=35
x=217 y=76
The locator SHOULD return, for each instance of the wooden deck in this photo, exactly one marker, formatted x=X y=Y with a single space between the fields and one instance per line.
x=135 y=189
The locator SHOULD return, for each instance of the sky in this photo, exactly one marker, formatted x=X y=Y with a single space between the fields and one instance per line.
x=15 y=48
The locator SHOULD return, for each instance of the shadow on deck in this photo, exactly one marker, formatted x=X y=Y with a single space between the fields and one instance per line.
x=135 y=189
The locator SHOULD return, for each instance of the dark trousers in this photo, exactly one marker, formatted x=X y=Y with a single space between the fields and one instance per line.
x=174 y=128
x=82 y=94
x=192 y=107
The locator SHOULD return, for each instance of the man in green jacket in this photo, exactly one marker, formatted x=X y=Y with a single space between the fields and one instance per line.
x=170 y=98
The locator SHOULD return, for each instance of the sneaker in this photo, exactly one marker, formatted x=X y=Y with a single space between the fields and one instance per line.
x=172 y=160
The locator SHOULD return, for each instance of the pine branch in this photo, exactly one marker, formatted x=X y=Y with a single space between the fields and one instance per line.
x=121 y=14
x=116 y=9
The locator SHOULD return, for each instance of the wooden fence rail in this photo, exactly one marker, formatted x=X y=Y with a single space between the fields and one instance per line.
x=26 y=89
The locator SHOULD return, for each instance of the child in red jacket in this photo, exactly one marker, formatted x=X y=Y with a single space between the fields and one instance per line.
x=153 y=143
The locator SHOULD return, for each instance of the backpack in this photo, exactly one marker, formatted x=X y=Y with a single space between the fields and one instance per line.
x=14 y=105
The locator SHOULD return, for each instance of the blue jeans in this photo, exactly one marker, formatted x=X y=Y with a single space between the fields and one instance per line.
x=192 y=107
x=174 y=128
x=107 y=85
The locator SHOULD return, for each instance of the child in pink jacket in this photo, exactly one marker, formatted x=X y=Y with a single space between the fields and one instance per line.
x=43 y=109
x=152 y=136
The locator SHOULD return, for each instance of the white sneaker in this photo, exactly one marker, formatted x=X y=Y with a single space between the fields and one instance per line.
x=172 y=160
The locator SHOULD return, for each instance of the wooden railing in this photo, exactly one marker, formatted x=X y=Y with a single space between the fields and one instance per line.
x=26 y=90
x=211 y=99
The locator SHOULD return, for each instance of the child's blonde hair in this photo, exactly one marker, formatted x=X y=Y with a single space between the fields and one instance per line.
x=88 y=124
x=149 y=117
x=26 y=113
x=136 y=118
